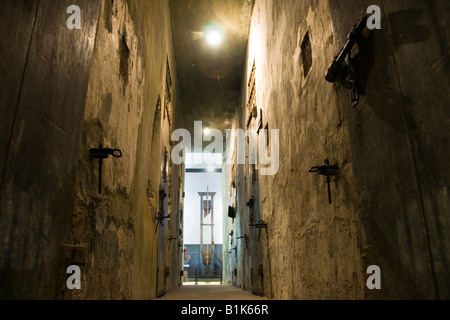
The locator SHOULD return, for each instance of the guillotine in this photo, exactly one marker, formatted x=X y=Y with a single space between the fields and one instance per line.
x=207 y=209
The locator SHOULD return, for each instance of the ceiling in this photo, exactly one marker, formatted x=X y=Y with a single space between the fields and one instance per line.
x=210 y=78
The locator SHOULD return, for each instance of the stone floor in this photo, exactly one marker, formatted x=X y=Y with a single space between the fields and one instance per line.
x=209 y=291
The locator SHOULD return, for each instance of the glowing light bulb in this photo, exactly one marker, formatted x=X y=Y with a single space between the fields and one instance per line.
x=214 y=38
x=207 y=131
x=214 y=34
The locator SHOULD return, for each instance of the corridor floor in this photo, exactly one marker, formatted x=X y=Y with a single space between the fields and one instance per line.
x=209 y=292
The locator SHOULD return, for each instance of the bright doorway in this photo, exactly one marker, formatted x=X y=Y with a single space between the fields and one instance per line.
x=202 y=222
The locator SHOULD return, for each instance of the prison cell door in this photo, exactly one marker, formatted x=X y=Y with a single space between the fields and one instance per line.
x=161 y=264
x=162 y=269
x=256 y=233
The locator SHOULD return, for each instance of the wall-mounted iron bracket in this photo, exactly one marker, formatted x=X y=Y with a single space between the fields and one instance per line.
x=234 y=249
x=328 y=171
x=231 y=235
x=160 y=217
x=260 y=225
x=343 y=72
x=101 y=153
x=246 y=240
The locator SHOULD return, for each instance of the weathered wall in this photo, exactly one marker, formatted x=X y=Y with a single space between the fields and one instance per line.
x=308 y=243
x=397 y=138
x=44 y=73
x=229 y=199
x=390 y=199
x=127 y=108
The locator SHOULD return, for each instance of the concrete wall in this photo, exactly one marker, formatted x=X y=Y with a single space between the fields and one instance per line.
x=64 y=92
x=397 y=134
x=390 y=197
x=127 y=108
x=308 y=243
x=44 y=75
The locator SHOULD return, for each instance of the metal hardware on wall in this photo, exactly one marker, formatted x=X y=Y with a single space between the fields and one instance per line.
x=250 y=202
x=101 y=153
x=231 y=235
x=328 y=171
x=260 y=225
x=162 y=194
x=246 y=240
x=234 y=249
x=231 y=212
x=343 y=72
x=160 y=220
x=352 y=86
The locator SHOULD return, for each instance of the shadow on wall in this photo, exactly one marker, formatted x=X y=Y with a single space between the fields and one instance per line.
x=396 y=163
x=386 y=101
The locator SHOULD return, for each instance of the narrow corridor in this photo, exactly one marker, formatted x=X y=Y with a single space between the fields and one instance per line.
x=298 y=149
x=209 y=292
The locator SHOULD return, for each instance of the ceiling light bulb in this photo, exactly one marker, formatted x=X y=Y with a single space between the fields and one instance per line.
x=214 y=33
x=207 y=131
x=214 y=38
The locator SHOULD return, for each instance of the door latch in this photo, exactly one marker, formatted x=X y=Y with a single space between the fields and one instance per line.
x=160 y=220
x=339 y=70
x=328 y=171
x=260 y=225
x=234 y=249
x=101 y=153
x=246 y=240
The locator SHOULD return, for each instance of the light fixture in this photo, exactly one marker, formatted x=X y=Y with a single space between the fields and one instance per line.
x=214 y=34
x=207 y=131
x=214 y=38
